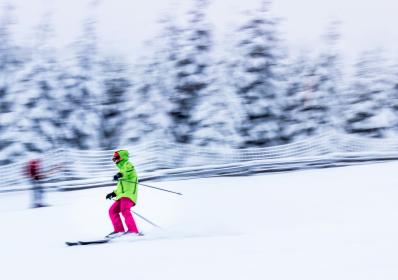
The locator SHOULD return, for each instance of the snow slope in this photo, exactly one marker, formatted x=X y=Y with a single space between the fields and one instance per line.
x=339 y=223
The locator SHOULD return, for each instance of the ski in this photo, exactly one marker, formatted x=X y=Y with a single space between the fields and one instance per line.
x=135 y=238
x=100 y=241
x=87 y=242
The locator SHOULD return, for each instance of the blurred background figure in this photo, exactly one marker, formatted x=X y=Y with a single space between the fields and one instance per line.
x=36 y=175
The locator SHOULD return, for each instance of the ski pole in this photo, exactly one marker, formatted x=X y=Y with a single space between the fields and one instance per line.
x=146 y=220
x=161 y=189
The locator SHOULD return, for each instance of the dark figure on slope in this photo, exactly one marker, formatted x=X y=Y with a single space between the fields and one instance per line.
x=35 y=174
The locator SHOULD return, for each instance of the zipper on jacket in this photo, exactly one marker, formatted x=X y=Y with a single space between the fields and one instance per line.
x=121 y=183
x=135 y=187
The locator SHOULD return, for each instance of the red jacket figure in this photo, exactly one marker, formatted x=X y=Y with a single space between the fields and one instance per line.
x=35 y=173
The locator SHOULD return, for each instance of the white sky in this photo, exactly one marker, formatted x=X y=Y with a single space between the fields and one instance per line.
x=125 y=25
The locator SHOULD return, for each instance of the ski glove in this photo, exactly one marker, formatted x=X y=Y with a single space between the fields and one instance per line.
x=110 y=195
x=117 y=176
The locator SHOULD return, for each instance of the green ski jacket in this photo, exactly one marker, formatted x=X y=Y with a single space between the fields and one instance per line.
x=127 y=185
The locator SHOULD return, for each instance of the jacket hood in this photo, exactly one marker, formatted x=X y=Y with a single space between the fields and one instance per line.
x=124 y=154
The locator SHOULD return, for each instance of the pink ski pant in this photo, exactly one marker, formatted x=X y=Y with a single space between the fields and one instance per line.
x=123 y=205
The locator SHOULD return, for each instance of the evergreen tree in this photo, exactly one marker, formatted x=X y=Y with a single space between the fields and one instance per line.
x=321 y=108
x=218 y=113
x=369 y=111
x=257 y=78
x=393 y=96
x=297 y=89
x=115 y=87
x=314 y=112
x=39 y=122
x=191 y=73
x=148 y=110
x=82 y=91
x=144 y=112
x=12 y=60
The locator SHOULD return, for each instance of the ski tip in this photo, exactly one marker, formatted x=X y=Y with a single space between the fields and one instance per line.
x=69 y=243
x=87 y=242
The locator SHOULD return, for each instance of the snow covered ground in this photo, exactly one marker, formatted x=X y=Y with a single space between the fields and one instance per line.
x=338 y=223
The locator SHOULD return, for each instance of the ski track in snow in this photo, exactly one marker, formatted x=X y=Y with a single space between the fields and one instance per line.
x=336 y=223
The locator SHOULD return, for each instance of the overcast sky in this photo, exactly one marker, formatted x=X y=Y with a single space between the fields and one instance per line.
x=125 y=25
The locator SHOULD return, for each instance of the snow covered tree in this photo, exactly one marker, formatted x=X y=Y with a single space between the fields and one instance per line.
x=218 y=113
x=256 y=78
x=320 y=98
x=314 y=113
x=148 y=110
x=298 y=85
x=12 y=60
x=82 y=91
x=329 y=78
x=144 y=112
x=393 y=96
x=39 y=122
x=191 y=73
x=369 y=111
x=115 y=82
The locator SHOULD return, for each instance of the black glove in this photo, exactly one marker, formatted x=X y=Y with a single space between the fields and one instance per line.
x=110 y=195
x=117 y=176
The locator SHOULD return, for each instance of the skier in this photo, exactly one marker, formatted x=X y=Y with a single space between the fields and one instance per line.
x=125 y=195
x=35 y=174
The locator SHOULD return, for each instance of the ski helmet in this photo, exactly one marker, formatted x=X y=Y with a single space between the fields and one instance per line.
x=116 y=157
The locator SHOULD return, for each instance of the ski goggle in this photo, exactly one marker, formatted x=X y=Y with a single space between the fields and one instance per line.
x=116 y=157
